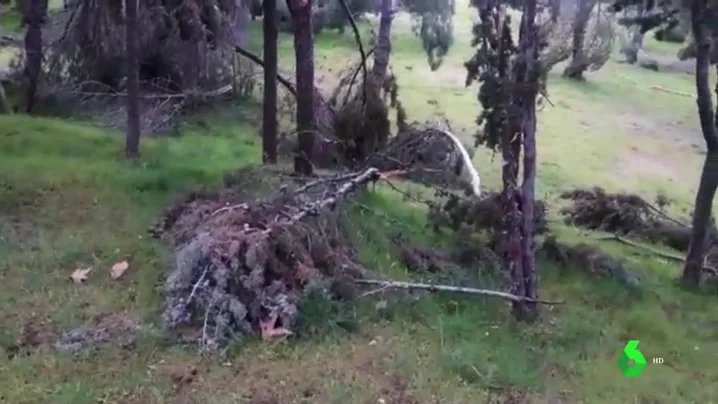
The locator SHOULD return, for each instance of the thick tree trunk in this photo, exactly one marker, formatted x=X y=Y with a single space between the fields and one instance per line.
x=579 y=62
x=269 y=105
x=33 y=18
x=132 y=141
x=304 y=54
x=709 y=177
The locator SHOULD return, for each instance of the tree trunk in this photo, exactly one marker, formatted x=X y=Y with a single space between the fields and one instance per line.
x=555 y=10
x=269 y=104
x=527 y=75
x=383 y=45
x=33 y=18
x=4 y=107
x=132 y=141
x=579 y=63
x=709 y=177
x=304 y=54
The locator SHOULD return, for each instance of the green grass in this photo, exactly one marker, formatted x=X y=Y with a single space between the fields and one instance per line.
x=69 y=199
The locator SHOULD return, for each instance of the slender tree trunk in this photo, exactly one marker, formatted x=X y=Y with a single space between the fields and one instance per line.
x=579 y=62
x=383 y=46
x=4 y=107
x=132 y=141
x=35 y=13
x=555 y=8
x=709 y=177
x=528 y=43
x=304 y=54
x=269 y=105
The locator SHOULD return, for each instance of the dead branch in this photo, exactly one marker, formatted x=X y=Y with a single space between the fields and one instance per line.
x=370 y=174
x=674 y=92
x=454 y=289
x=256 y=59
x=357 y=37
x=666 y=255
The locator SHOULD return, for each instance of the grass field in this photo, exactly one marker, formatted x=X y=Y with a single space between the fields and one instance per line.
x=68 y=199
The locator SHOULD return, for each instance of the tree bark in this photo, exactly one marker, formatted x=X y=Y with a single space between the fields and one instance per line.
x=528 y=43
x=709 y=177
x=383 y=46
x=132 y=141
x=269 y=104
x=4 y=107
x=579 y=63
x=304 y=54
x=35 y=13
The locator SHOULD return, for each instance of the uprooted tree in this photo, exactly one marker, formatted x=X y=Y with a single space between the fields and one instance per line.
x=509 y=77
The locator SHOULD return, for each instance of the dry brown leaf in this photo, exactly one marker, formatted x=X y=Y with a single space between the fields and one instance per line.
x=269 y=332
x=118 y=269
x=80 y=275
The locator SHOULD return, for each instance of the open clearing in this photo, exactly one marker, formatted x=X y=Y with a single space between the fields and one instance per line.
x=69 y=200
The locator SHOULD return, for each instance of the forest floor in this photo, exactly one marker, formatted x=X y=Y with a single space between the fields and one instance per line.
x=69 y=200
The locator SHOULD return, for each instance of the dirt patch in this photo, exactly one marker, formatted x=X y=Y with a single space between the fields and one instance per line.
x=636 y=162
x=35 y=334
x=641 y=124
x=424 y=260
x=184 y=377
x=510 y=396
x=360 y=368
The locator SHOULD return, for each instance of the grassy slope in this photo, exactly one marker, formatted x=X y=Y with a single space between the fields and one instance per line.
x=68 y=200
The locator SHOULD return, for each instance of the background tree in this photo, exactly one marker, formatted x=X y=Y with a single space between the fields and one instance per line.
x=132 y=142
x=709 y=176
x=304 y=54
x=4 y=107
x=269 y=103
x=34 y=16
x=579 y=61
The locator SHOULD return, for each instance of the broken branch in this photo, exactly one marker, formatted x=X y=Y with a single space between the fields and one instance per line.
x=256 y=59
x=666 y=255
x=454 y=289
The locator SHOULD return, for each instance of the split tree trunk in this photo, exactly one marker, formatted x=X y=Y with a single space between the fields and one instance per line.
x=269 y=104
x=304 y=54
x=35 y=13
x=579 y=62
x=132 y=141
x=709 y=177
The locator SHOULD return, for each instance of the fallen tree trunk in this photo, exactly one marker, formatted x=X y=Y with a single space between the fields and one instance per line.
x=242 y=267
